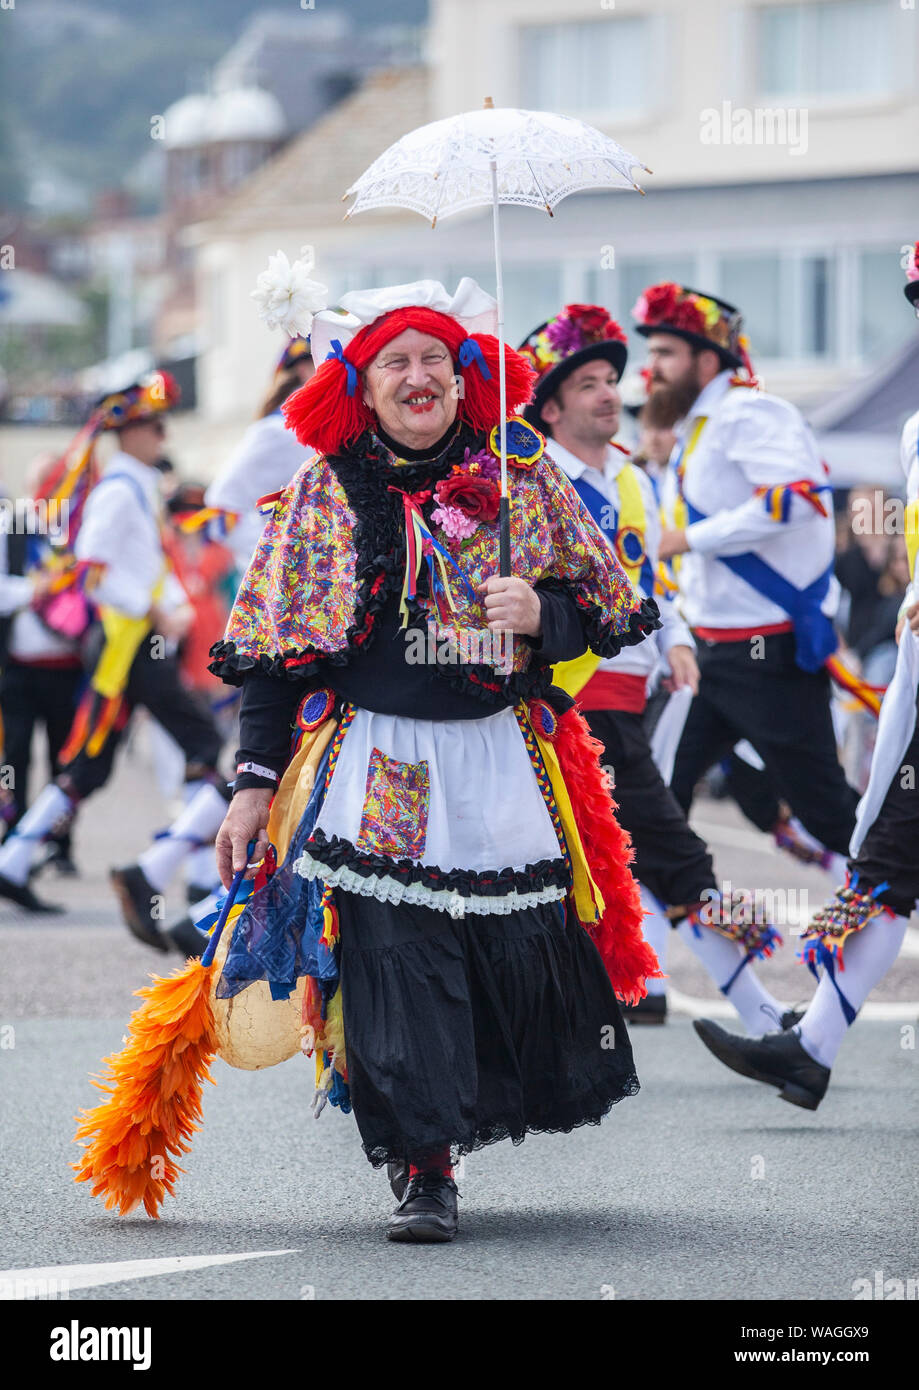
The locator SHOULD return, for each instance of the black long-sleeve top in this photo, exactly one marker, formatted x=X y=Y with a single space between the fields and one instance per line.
x=384 y=678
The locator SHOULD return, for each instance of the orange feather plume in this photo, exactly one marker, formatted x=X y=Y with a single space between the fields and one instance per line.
x=154 y=1103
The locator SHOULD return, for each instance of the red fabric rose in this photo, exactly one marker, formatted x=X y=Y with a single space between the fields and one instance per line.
x=688 y=317
x=592 y=319
x=478 y=497
x=614 y=331
x=661 y=300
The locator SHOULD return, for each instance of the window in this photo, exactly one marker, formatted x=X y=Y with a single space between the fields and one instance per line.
x=817 y=319
x=587 y=68
x=881 y=330
x=754 y=283
x=617 y=290
x=838 y=49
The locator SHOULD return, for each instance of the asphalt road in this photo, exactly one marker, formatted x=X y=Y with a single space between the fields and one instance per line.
x=704 y=1186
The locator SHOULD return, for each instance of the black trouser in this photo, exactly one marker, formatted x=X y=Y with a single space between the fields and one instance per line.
x=154 y=682
x=670 y=859
x=754 y=690
x=31 y=695
x=890 y=849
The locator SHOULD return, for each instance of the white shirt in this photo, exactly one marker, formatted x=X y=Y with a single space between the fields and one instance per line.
x=642 y=659
x=267 y=457
x=750 y=440
x=120 y=529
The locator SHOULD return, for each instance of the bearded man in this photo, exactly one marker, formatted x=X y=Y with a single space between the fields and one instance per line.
x=754 y=543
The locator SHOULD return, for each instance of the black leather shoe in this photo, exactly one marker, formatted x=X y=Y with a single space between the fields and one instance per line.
x=427 y=1212
x=186 y=938
x=22 y=894
x=778 y=1059
x=139 y=899
x=398 y=1177
x=650 y=1010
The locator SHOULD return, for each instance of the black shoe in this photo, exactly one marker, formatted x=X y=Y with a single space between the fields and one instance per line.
x=138 y=901
x=398 y=1177
x=778 y=1059
x=57 y=857
x=22 y=894
x=780 y=1023
x=427 y=1212
x=650 y=1010
x=186 y=938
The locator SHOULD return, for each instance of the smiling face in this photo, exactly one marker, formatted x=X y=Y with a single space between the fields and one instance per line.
x=410 y=386
x=586 y=406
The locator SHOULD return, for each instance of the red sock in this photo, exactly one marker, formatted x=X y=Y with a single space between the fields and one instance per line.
x=439 y=1162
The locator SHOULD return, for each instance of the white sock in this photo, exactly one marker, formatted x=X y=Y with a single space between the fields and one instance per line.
x=21 y=846
x=656 y=928
x=868 y=955
x=759 y=1010
x=201 y=867
x=201 y=819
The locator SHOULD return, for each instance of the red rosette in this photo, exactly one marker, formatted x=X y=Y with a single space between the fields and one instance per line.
x=475 y=496
x=661 y=300
x=689 y=317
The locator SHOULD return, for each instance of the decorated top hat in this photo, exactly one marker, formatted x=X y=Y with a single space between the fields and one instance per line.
x=700 y=319
x=579 y=334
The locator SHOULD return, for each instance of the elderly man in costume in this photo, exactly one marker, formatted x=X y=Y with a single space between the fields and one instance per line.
x=446 y=846
x=579 y=357
x=117 y=545
x=857 y=936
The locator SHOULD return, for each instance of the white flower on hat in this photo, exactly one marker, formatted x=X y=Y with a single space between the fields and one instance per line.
x=286 y=296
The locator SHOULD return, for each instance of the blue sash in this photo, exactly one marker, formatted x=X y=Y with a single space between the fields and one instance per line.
x=815 y=638
x=604 y=513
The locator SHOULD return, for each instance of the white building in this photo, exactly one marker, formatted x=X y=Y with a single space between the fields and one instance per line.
x=784 y=139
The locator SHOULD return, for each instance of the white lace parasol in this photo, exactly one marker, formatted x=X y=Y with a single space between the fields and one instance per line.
x=446 y=167
x=496 y=155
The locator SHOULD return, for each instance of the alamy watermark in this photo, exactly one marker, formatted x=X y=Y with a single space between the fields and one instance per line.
x=35 y=517
x=744 y=907
x=763 y=125
x=460 y=646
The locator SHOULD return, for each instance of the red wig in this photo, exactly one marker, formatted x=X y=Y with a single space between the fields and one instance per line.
x=324 y=417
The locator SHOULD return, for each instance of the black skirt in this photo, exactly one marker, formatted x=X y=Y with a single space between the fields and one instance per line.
x=463 y=1032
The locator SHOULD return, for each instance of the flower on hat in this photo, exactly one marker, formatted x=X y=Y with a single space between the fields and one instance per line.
x=689 y=316
x=286 y=296
x=657 y=302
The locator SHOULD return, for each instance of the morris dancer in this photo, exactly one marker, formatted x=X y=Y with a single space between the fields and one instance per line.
x=756 y=562
x=857 y=936
x=454 y=885
x=579 y=357
x=137 y=600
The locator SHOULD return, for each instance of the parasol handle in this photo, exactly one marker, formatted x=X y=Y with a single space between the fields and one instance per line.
x=504 y=522
x=211 y=947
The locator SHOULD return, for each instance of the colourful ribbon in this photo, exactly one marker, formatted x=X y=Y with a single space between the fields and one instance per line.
x=470 y=351
x=338 y=351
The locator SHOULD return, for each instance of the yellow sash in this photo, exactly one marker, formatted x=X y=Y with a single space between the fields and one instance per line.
x=911 y=521
x=573 y=675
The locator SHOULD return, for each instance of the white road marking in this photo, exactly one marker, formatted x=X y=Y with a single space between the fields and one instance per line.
x=89 y=1276
x=880 y=1011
